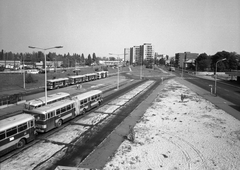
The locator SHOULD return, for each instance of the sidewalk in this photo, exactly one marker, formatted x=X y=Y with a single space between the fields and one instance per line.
x=216 y=100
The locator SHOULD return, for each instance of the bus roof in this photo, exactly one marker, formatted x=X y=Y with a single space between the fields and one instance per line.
x=50 y=98
x=51 y=107
x=77 y=76
x=87 y=94
x=90 y=74
x=14 y=121
x=58 y=79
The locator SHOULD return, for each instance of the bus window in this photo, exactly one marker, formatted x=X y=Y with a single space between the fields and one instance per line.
x=11 y=131
x=81 y=102
x=2 y=135
x=32 y=123
x=85 y=100
x=22 y=127
x=58 y=111
x=63 y=109
x=48 y=115
x=52 y=114
x=68 y=107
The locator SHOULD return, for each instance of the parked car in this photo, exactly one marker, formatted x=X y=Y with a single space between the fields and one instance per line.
x=172 y=69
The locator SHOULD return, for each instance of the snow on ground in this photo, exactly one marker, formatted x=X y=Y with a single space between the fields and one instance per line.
x=92 y=118
x=31 y=157
x=108 y=109
x=193 y=134
x=119 y=102
x=67 y=134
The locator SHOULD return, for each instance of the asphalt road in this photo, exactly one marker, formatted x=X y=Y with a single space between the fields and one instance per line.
x=224 y=88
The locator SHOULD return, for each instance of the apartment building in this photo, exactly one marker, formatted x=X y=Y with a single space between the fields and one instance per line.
x=135 y=54
x=147 y=51
x=127 y=55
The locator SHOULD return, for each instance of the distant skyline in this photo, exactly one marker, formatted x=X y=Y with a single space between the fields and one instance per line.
x=109 y=26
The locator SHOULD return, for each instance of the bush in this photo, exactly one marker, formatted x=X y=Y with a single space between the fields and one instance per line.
x=96 y=69
x=104 y=68
x=29 y=79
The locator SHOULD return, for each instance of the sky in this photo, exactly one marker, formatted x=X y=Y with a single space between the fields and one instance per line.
x=109 y=26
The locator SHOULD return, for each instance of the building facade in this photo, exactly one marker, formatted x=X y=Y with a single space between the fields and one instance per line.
x=147 y=51
x=127 y=55
x=184 y=59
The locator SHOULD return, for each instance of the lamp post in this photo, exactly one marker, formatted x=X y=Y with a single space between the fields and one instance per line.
x=23 y=71
x=141 y=75
x=44 y=49
x=216 y=75
x=118 y=69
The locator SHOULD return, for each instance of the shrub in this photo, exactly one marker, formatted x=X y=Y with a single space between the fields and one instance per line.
x=29 y=79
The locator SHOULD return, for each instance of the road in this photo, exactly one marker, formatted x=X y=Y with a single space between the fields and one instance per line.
x=224 y=90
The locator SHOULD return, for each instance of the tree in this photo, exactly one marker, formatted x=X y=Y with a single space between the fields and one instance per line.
x=232 y=61
x=89 y=60
x=94 y=58
x=203 y=62
x=219 y=56
x=82 y=59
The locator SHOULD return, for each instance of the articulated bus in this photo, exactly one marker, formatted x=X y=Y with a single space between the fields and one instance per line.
x=86 y=101
x=16 y=131
x=54 y=115
x=76 y=79
x=57 y=83
x=35 y=103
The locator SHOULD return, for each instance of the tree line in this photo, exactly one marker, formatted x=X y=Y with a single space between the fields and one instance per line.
x=230 y=61
x=68 y=60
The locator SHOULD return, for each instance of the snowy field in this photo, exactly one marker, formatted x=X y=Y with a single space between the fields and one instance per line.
x=176 y=135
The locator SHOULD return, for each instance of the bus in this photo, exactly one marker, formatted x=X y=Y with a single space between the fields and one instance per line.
x=102 y=74
x=54 y=115
x=76 y=79
x=57 y=83
x=16 y=131
x=86 y=101
x=90 y=76
x=35 y=103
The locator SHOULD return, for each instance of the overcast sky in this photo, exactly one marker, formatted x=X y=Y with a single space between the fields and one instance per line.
x=109 y=26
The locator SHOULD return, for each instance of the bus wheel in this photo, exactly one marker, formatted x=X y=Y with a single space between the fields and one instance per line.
x=59 y=123
x=21 y=143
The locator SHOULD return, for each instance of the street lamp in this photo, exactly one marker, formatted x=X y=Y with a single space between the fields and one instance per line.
x=216 y=75
x=44 y=49
x=118 y=68
x=183 y=62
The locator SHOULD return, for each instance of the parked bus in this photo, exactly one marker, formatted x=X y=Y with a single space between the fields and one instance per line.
x=102 y=74
x=86 y=101
x=57 y=83
x=35 y=103
x=76 y=79
x=15 y=132
x=54 y=115
x=91 y=76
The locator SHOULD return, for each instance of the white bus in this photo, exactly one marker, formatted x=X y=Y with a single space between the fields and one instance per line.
x=15 y=132
x=86 y=101
x=76 y=79
x=35 y=103
x=55 y=114
x=57 y=83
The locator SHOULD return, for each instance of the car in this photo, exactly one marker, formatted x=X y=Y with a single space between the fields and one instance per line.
x=172 y=69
